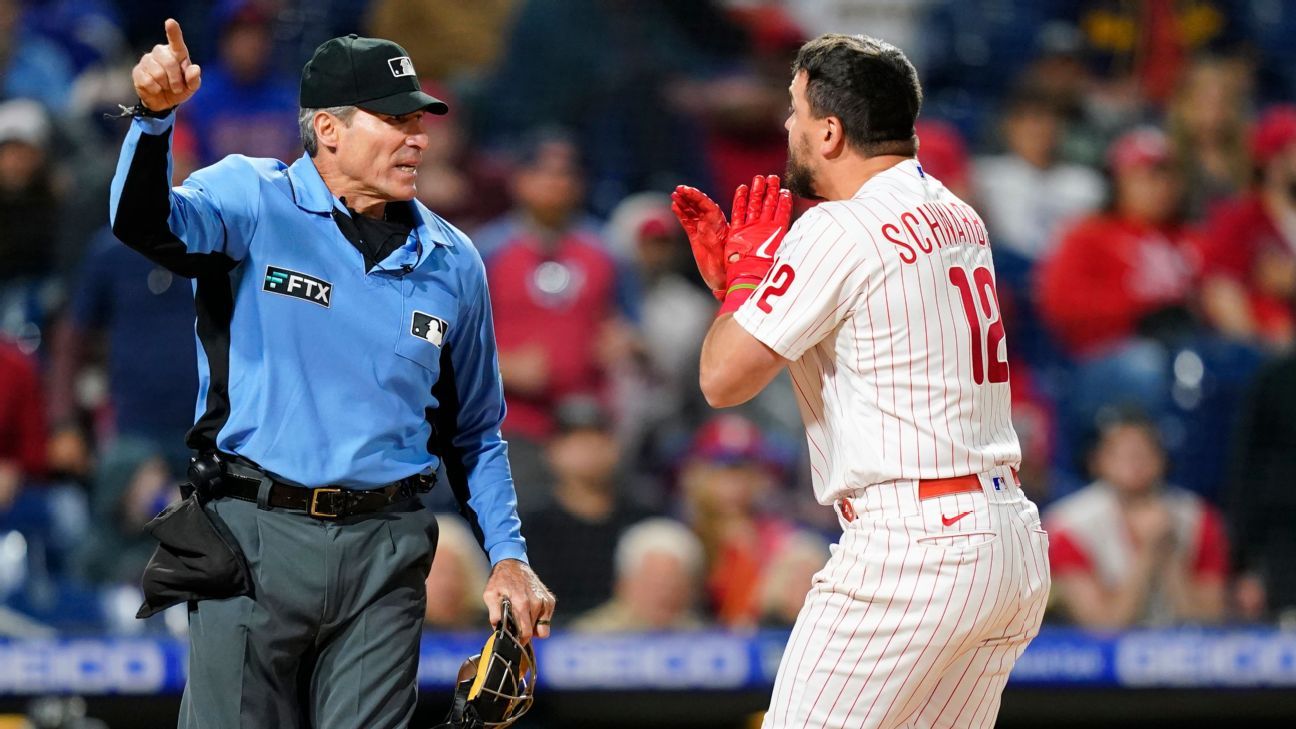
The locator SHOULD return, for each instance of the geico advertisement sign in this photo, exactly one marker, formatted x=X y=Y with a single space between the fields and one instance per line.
x=90 y=667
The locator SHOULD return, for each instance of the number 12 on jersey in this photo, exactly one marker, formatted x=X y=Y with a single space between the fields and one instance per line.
x=980 y=288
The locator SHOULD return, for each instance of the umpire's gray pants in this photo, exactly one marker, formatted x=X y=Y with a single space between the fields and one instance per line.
x=330 y=637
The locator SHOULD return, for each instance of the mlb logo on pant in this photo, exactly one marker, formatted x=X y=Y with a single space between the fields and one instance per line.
x=998 y=483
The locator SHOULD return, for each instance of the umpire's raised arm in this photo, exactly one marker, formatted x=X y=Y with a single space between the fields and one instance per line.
x=201 y=227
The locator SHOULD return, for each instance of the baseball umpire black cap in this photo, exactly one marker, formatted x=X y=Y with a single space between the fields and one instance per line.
x=371 y=73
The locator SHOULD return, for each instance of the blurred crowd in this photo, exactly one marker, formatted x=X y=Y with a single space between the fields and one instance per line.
x=1135 y=164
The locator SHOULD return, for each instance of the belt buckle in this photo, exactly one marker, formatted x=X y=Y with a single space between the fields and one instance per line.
x=314 y=503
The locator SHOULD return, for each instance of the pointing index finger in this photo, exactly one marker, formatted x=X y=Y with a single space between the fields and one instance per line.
x=175 y=40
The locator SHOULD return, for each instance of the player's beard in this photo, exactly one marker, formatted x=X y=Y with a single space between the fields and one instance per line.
x=798 y=177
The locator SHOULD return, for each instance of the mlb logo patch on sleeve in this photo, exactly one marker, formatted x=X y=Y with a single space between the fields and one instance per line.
x=297 y=285
x=426 y=326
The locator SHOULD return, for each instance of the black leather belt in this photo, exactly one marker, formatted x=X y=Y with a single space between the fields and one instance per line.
x=326 y=502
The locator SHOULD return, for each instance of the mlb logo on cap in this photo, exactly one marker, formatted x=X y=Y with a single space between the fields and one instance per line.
x=348 y=71
x=401 y=66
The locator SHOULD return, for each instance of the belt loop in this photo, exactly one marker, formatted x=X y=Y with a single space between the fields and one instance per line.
x=263 y=493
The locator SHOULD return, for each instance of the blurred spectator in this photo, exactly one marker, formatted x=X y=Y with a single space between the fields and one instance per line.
x=658 y=569
x=457 y=578
x=145 y=316
x=788 y=578
x=727 y=480
x=31 y=65
x=29 y=215
x=28 y=200
x=1085 y=100
x=663 y=400
x=1130 y=549
x=554 y=291
x=455 y=179
x=1207 y=126
x=49 y=516
x=1261 y=497
x=1250 y=258
x=1128 y=271
x=572 y=538
x=247 y=106
x=1117 y=291
x=22 y=424
x=1027 y=194
x=610 y=79
x=445 y=40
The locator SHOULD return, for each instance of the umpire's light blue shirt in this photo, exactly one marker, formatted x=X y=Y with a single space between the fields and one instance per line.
x=318 y=371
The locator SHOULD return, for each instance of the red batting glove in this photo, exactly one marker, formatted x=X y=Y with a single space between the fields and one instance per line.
x=761 y=216
x=707 y=232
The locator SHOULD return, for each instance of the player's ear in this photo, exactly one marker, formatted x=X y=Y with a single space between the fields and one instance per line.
x=832 y=138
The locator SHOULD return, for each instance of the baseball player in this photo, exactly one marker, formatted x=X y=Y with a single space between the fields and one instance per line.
x=881 y=302
x=345 y=351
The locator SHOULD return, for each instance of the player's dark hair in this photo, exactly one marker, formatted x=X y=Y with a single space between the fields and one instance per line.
x=869 y=85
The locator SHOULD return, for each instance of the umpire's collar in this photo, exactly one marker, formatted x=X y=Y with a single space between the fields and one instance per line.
x=312 y=195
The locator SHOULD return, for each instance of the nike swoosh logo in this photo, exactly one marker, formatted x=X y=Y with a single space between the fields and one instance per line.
x=760 y=250
x=949 y=520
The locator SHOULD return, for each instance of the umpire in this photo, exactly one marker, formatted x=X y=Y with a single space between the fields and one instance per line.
x=345 y=349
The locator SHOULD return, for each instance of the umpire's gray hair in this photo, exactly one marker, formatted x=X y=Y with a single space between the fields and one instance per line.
x=306 y=124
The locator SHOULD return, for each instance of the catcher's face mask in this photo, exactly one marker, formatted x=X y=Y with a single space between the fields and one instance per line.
x=497 y=686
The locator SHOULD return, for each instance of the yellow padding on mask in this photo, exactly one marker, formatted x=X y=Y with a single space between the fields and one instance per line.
x=483 y=667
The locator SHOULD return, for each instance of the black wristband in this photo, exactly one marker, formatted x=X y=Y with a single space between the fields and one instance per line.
x=140 y=111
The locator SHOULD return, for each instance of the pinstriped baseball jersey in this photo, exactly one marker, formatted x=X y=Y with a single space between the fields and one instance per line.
x=886 y=306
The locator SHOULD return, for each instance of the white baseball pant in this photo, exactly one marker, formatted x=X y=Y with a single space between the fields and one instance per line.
x=920 y=612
